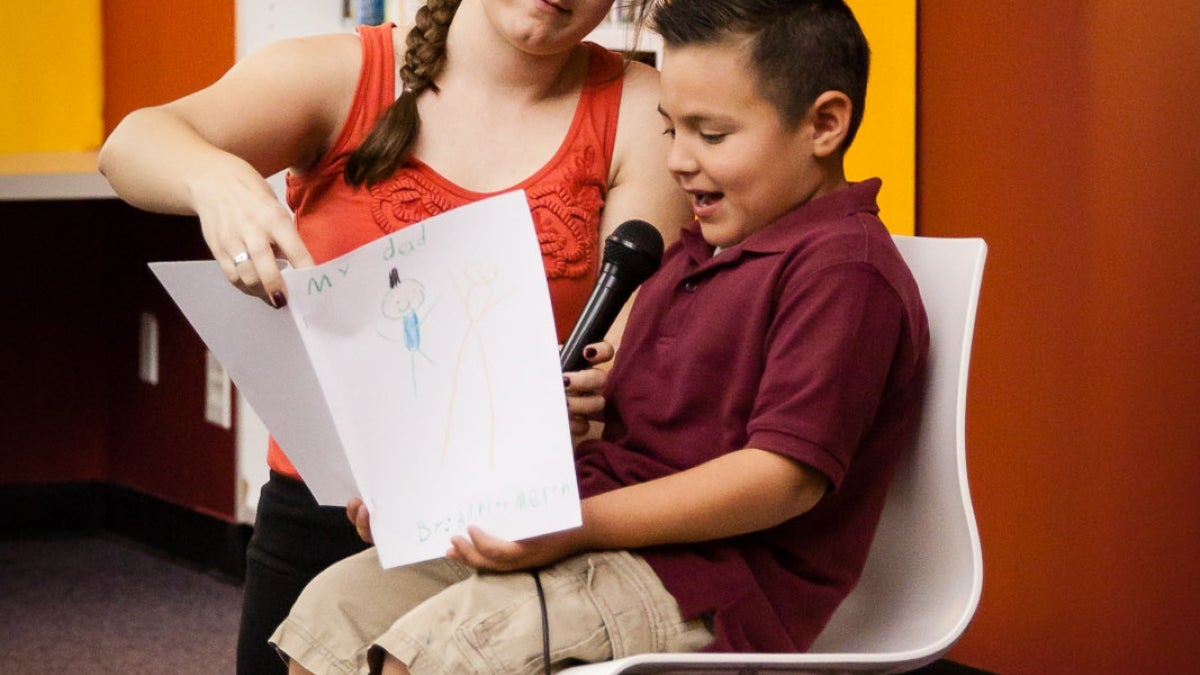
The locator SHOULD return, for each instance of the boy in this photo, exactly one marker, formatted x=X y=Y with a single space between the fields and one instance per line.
x=770 y=377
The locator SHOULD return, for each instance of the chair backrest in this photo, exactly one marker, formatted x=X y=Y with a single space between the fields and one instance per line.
x=924 y=573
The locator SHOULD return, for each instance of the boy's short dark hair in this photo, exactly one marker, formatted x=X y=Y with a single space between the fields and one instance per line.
x=799 y=48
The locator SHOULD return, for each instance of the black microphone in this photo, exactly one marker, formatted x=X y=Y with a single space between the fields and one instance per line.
x=631 y=254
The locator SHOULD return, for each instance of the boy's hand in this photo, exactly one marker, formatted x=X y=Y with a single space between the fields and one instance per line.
x=356 y=511
x=584 y=402
x=485 y=552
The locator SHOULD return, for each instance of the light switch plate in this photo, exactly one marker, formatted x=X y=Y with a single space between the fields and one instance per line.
x=148 y=349
x=218 y=393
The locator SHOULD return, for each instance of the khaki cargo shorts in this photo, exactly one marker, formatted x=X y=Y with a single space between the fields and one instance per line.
x=443 y=617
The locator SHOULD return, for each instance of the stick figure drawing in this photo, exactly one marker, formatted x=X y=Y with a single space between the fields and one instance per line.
x=477 y=300
x=400 y=303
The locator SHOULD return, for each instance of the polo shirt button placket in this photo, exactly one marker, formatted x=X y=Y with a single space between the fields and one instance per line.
x=678 y=311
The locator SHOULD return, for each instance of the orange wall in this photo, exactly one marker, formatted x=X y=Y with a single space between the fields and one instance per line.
x=157 y=51
x=1065 y=133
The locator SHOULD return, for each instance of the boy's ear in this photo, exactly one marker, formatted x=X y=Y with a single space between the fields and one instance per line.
x=830 y=115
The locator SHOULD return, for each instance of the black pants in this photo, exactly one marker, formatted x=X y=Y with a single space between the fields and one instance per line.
x=294 y=539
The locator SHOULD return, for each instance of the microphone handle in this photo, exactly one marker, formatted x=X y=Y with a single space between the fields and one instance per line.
x=602 y=308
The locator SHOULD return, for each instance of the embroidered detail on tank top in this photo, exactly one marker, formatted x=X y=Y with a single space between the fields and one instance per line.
x=564 y=204
x=565 y=214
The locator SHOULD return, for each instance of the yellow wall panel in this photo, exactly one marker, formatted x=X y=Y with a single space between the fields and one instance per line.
x=886 y=143
x=51 y=76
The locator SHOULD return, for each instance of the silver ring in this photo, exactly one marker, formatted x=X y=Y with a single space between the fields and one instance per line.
x=240 y=258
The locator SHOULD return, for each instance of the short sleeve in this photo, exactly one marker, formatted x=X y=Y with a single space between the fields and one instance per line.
x=829 y=353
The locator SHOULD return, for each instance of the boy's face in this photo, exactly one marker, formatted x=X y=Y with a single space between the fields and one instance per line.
x=740 y=163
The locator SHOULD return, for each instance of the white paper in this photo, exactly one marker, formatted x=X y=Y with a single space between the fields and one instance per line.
x=419 y=371
x=263 y=354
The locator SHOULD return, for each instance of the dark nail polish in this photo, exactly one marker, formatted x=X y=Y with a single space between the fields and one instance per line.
x=279 y=300
x=589 y=353
x=566 y=381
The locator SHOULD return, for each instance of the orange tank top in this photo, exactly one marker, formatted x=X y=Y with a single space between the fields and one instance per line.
x=565 y=196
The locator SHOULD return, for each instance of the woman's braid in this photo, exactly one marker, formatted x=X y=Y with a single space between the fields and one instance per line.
x=390 y=142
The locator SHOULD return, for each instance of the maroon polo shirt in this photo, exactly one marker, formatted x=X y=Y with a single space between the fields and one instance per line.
x=807 y=339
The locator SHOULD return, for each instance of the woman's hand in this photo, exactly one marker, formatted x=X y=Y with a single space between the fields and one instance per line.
x=356 y=511
x=206 y=153
x=584 y=401
x=248 y=228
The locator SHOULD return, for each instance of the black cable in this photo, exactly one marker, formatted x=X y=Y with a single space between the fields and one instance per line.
x=537 y=579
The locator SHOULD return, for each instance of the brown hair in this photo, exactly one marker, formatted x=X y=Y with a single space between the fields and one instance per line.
x=390 y=142
x=801 y=48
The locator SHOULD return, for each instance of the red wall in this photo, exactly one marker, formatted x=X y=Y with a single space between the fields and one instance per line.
x=1065 y=133
x=56 y=363
x=159 y=442
x=77 y=411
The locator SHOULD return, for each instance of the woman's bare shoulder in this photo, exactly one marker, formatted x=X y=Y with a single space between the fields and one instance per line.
x=313 y=67
x=639 y=117
x=308 y=49
x=641 y=83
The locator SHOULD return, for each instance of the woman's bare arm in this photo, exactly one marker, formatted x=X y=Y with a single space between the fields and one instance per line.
x=640 y=186
x=207 y=153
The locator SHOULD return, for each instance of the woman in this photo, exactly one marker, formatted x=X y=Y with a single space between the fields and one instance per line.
x=491 y=95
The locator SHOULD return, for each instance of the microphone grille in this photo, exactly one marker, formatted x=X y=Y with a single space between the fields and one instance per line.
x=636 y=246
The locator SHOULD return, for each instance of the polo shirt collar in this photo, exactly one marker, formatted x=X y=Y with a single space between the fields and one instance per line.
x=780 y=235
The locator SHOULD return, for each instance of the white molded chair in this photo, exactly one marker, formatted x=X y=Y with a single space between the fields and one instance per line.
x=924 y=572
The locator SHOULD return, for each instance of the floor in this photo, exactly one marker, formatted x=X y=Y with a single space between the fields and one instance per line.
x=97 y=603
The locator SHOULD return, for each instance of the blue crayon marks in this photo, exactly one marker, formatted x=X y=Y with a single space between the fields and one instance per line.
x=401 y=302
